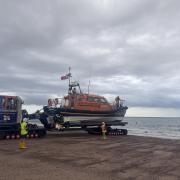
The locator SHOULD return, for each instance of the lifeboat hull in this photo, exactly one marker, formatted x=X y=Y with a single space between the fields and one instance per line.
x=74 y=115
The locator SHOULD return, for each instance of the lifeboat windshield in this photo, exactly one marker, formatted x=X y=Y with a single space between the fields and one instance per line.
x=103 y=100
x=97 y=99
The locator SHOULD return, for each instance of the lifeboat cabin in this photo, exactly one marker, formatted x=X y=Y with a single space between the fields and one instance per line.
x=87 y=102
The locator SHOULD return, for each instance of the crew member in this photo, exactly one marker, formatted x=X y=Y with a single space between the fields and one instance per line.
x=117 y=100
x=104 y=130
x=24 y=132
x=74 y=91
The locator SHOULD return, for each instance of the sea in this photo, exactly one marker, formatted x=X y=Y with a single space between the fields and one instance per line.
x=160 y=127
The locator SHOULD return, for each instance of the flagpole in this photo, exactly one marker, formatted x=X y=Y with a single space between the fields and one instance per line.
x=69 y=78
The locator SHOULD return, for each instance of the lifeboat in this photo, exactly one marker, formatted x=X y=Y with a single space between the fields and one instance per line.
x=77 y=106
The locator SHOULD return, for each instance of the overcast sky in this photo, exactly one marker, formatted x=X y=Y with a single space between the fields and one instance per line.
x=128 y=48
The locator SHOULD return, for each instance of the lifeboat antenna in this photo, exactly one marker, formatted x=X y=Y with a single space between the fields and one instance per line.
x=69 y=77
x=88 y=86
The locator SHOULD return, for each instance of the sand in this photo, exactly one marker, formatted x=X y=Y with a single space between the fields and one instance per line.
x=79 y=156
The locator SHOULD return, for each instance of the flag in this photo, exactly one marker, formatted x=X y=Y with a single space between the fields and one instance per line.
x=66 y=76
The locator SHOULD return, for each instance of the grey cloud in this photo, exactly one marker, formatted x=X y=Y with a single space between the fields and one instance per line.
x=127 y=48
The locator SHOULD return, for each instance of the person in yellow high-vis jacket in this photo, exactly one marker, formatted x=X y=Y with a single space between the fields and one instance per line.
x=104 y=130
x=24 y=132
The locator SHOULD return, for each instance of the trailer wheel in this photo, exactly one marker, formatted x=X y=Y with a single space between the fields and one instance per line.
x=41 y=133
x=7 y=136
x=2 y=135
x=17 y=136
x=124 y=131
x=31 y=135
x=13 y=136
